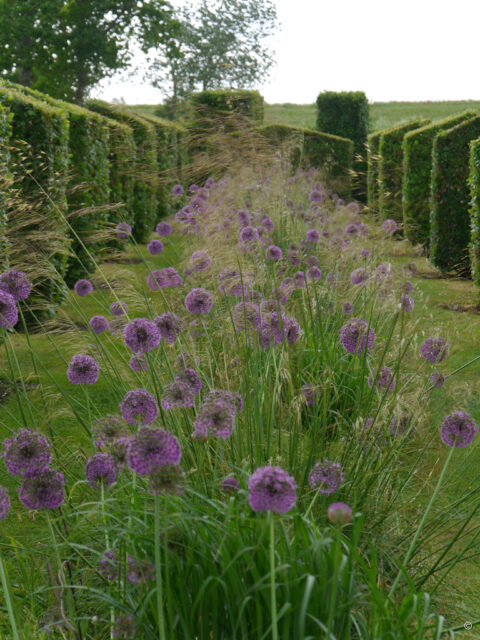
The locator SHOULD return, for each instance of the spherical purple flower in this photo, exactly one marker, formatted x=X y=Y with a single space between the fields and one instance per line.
x=177 y=190
x=437 y=379
x=167 y=479
x=313 y=235
x=267 y=223
x=169 y=326
x=339 y=513
x=358 y=276
x=199 y=301
x=200 y=260
x=193 y=188
x=154 y=247
x=353 y=208
x=347 y=308
x=164 y=278
x=119 y=451
x=177 y=394
x=249 y=234
x=434 y=349
x=293 y=257
x=8 y=310
x=100 y=468
x=390 y=226
x=314 y=273
x=16 y=284
x=138 y=363
x=191 y=378
x=299 y=279
x=243 y=218
x=366 y=254
x=83 y=287
x=151 y=448
x=139 y=405
x=326 y=476
x=4 y=503
x=216 y=416
x=42 y=489
x=163 y=229
x=458 y=429
x=26 y=450
x=141 y=335
x=316 y=196
x=385 y=381
x=123 y=230
x=273 y=253
x=230 y=485
x=352 y=230
x=99 y=324
x=83 y=369
x=108 y=429
x=118 y=308
x=356 y=337
x=272 y=489
x=406 y=302
x=291 y=329
x=210 y=182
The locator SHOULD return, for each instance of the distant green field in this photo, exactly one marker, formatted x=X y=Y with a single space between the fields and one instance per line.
x=382 y=114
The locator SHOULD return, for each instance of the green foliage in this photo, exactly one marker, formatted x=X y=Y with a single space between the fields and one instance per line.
x=449 y=215
x=474 y=183
x=5 y=131
x=390 y=168
x=217 y=104
x=145 y=170
x=121 y=158
x=373 y=156
x=417 y=167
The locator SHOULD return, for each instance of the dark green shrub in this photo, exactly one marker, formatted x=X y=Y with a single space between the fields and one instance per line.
x=373 y=156
x=449 y=215
x=207 y=105
x=145 y=170
x=5 y=130
x=417 y=168
x=316 y=149
x=390 y=169
x=474 y=184
x=39 y=166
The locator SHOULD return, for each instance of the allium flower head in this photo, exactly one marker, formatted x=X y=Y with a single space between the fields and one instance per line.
x=83 y=369
x=155 y=247
x=16 y=283
x=141 y=335
x=293 y=257
x=26 y=450
x=458 y=429
x=191 y=378
x=437 y=379
x=366 y=253
x=313 y=235
x=170 y=326
x=273 y=253
x=4 y=503
x=99 y=324
x=138 y=363
x=199 y=301
x=359 y=275
x=434 y=349
x=100 y=468
x=385 y=380
x=390 y=226
x=167 y=479
x=299 y=279
x=108 y=429
x=216 y=416
x=314 y=273
x=339 y=513
x=177 y=190
x=118 y=308
x=151 y=448
x=353 y=208
x=230 y=485
x=83 y=287
x=8 y=310
x=163 y=229
x=347 y=308
x=326 y=477
x=407 y=303
x=352 y=230
x=139 y=405
x=164 y=279
x=200 y=260
x=42 y=489
x=272 y=489
x=248 y=234
x=119 y=450
x=316 y=196
x=177 y=394
x=267 y=223
x=123 y=230
x=356 y=337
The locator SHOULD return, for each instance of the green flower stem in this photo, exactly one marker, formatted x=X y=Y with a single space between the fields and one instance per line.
x=8 y=601
x=273 y=595
x=158 y=572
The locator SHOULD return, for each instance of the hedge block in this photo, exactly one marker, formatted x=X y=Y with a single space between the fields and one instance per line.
x=474 y=184
x=450 y=197
x=390 y=169
x=5 y=131
x=417 y=168
x=221 y=103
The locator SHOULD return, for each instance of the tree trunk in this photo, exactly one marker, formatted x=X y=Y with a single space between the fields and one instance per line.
x=81 y=88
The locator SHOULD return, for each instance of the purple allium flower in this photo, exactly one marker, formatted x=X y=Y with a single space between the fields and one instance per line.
x=291 y=329
x=100 y=468
x=138 y=363
x=267 y=223
x=8 y=310
x=406 y=302
x=390 y=226
x=139 y=571
x=168 y=478
x=347 y=308
x=230 y=485
x=313 y=235
x=108 y=565
x=163 y=229
x=385 y=381
x=355 y=338
x=108 y=429
x=83 y=287
x=243 y=218
x=293 y=257
x=99 y=324
x=118 y=308
x=199 y=301
x=83 y=369
x=365 y=254
x=273 y=253
x=230 y=283
x=326 y=476
x=310 y=394
x=359 y=275
x=151 y=448
x=272 y=489
x=125 y=627
x=177 y=394
x=154 y=247
x=123 y=230
x=4 y=503
x=42 y=489
x=434 y=349
x=316 y=196
x=458 y=429
x=299 y=279
x=191 y=378
x=16 y=284
x=407 y=287
x=26 y=450
x=249 y=234
x=193 y=188
x=352 y=230
x=177 y=190
x=353 y=208
x=437 y=379
x=383 y=273
x=170 y=326
x=139 y=405
x=200 y=260
x=216 y=416
x=210 y=182
x=141 y=335
x=339 y=513
x=164 y=278
x=314 y=273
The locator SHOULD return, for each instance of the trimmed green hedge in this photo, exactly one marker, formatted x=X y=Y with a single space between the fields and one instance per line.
x=316 y=149
x=449 y=217
x=373 y=156
x=206 y=104
x=417 y=168
x=390 y=169
x=5 y=130
x=145 y=170
x=474 y=184
x=39 y=166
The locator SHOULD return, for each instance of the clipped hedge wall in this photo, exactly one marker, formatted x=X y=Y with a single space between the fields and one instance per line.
x=449 y=218
x=39 y=166
x=316 y=149
x=474 y=184
x=206 y=104
x=373 y=156
x=390 y=169
x=5 y=130
x=417 y=168
x=145 y=169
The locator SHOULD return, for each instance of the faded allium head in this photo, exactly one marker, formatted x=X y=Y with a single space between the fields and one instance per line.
x=352 y=230
x=163 y=229
x=141 y=335
x=199 y=301
x=83 y=369
x=123 y=230
x=356 y=336
x=118 y=308
x=216 y=416
x=316 y=196
x=313 y=236
x=138 y=405
x=164 y=279
x=230 y=485
x=26 y=450
x=458 y=429
x=8 y=310
x=200 y=260
x=407 y=303
x=347 y=308
x=177 y=190
x=108 y=429
x=273 y=253
x=83 y=287
x=177 y=394
x=42 y=489
x=437 y=379
x=150 y=448
x=16 y=283
x=170 y=326
x=138 y=363
x=359 y=276
x=353 y=208
x=267 y=223
x=99 y=324
x=390 y=226
x=4 y=503
x=365 y=254
x=326 y=477
x=100 y=469
x=435 y=349
x=191 y=378
x=272 y=489
x=383 y=379
x=314 y=273
x=167 y=479
x=155 y=247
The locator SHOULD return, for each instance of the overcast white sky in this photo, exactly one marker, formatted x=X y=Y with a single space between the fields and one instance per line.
x=408 y=50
